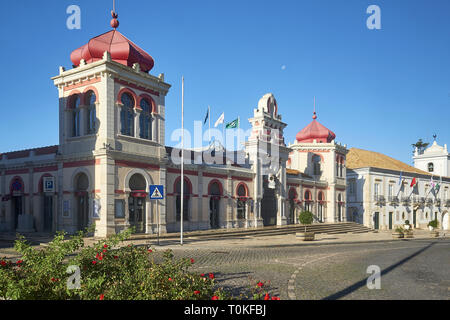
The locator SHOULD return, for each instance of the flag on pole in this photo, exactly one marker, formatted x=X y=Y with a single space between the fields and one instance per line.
x=207 y=116
x=233 y=124
x=400 y=180
x=220 y=120
x=413 y=183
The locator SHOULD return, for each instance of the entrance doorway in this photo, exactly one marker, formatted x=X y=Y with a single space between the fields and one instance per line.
x=214 y=205
x=268 y=205
x=82 y=201
x=17 y=207
x=137 y=203
x=136 y=210
x=390 y=220
x=48 y=213
x=376 y=220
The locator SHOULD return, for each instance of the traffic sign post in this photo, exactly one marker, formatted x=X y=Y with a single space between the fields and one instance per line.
x=157 y=193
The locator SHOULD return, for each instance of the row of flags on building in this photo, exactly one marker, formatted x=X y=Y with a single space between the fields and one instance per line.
x=435 y=186
x=232 y=125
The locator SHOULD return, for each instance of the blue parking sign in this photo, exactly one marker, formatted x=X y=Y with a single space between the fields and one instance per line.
x=156 y=192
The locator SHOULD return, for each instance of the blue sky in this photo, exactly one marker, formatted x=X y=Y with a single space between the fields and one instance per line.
x=379 y=90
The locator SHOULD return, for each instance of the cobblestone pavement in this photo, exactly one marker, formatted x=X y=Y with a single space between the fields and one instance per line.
x=333 y=267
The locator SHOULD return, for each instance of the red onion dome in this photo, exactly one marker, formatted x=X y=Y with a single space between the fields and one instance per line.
x=315 y=131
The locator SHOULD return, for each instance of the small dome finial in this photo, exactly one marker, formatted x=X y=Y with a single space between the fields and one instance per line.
x=114 y=21
x=315 y=114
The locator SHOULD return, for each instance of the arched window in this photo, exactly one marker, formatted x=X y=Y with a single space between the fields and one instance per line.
x=145 y=120
x=127 y=115
x=242 y=197
x=75 y=107
x=431 y=167
x=91 y=99
x=137 y=182
x=316 y=165
x=187 y=193
x=308 y=200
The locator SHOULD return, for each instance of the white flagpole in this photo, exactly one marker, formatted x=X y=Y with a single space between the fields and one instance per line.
x=239 y=136
x=223 y=132
x=209 y=113
x=182 y=161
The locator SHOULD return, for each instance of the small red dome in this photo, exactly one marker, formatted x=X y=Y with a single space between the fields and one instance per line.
x=315 y=131
x=121 y=49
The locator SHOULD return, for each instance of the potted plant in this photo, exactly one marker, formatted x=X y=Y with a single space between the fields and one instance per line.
x=399 y=233
x=306 y=218
x=407 y=226
x=433 y=225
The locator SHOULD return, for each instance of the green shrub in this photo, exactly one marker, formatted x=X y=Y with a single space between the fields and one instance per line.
x=433 y=223
x=107 y=272
x=306 y=218
x=399 y=230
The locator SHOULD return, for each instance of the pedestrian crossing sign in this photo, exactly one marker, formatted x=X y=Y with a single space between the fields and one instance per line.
x=156 y=192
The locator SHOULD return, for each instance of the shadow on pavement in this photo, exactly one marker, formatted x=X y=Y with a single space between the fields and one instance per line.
x=363 y=283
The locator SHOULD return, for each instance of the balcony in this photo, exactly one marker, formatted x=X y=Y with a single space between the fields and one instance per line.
x=379 y=200
x=393 y=200
x=406 y=201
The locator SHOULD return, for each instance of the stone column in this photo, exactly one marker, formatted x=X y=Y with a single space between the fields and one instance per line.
x=281 y=216
x=137 y=122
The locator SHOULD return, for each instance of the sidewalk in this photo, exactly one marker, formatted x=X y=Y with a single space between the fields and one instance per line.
x=204 y=240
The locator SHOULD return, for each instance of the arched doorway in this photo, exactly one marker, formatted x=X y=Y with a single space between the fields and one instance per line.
x=81 y=201
x=269 y=208
x=17 y=191
x=215 y=192
x=242 y=196
x=445 y=221
x=321 y=200
x=136 y=202
x=308 y=201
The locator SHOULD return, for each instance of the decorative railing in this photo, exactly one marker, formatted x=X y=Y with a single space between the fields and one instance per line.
x=406 y=200
x=380 y=200
x=393 y=200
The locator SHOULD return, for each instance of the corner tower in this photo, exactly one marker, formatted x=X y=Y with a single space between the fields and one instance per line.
x=111 y=114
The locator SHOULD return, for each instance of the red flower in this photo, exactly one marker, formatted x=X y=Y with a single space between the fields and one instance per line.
x=3 y=263
x=267 y=297
x=116 y=257
x=196 y=292
x=105 y=246
x=215 y=298
x=202 y=275
x=100 y=257
x=192 y=260
x=260 y=284
x=105 y=251
x=19 y=262
x=170 y=279
x=211 y=276
x=54 y=279
x=102 y=296
x=150 y=250
x=94 y=262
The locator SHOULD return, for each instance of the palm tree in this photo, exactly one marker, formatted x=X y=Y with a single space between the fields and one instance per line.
x=420 y=145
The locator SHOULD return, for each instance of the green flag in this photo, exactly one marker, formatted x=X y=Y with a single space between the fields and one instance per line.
x=233 y=124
